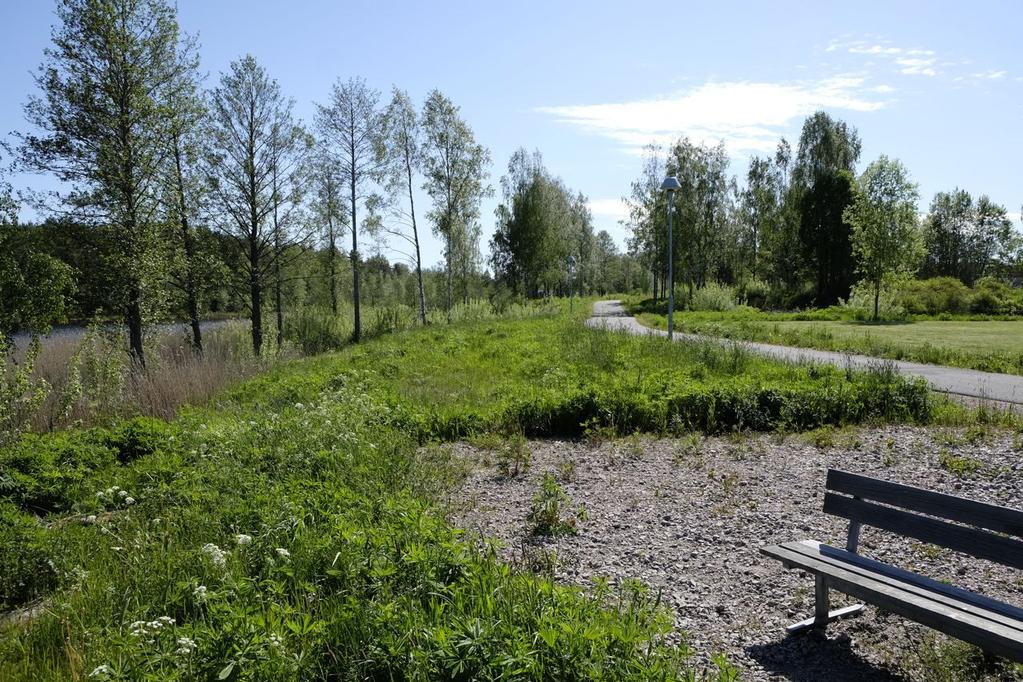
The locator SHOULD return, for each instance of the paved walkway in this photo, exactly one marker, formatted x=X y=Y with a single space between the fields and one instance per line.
x=966 y=383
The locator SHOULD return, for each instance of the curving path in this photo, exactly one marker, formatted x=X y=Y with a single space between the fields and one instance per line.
x=964 y=383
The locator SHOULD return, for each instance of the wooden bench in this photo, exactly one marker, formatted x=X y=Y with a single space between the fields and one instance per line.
x=985 y=531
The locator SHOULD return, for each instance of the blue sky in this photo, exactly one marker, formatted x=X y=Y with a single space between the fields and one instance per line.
x=936 y=84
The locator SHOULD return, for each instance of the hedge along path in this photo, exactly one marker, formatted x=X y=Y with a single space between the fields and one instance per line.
x=966 y=385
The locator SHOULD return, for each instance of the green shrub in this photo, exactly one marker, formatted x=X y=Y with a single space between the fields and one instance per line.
x=317 y=330
x=25 y=568
x=934 y=296
x=993 y=297
x=46 y=474
x=713 y=296
x=138 y=437
x=754 y=292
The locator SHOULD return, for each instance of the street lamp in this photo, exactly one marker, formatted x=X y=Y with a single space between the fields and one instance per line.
x=669 y=185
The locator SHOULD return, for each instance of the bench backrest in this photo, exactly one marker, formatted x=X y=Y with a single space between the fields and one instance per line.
x=990 y=532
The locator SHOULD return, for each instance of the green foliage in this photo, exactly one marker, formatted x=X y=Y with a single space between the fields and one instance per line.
x=21 y=392
x=34 y=287
x=107 y=87
x=550 y=511
x=25 y=571
x=935 y=295
x=754 y=293
x=960 y=466
x=513 y=456
x=285 y=535
x=885 y=238
x=541 y=225
x=713 y=296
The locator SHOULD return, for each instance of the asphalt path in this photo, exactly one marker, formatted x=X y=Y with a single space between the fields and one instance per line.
x=965 y=383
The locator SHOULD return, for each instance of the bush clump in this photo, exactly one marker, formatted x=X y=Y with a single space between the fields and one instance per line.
x=713 y=297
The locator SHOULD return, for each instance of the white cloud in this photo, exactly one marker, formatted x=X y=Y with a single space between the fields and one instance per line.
x=746 y=116
x=917 y=66
x=611 y=208
x=874 y=49
x=991 y=75
x=910 y=61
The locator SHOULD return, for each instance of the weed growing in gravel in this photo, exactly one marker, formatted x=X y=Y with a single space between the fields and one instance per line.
x=537 y=560
x=940 y=659
x=513 y=456
x=959 y=465
x=566 y=470
x=551 y=512
x=821 y=438
x=688 y=451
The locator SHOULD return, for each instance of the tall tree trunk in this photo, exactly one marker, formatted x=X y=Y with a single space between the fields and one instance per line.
x=188 y=243
x=278 y=295
x=450 y=274
x=877 y=299
x=332 y=264
x=415 y=240
x=134 y=319
x=357 y=332
x=255 y=297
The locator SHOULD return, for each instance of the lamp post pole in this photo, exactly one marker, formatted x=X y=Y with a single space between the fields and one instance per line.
x=669 y=185
x=671 y=271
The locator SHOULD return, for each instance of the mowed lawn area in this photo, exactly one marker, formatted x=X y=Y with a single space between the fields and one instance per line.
x=988 y=345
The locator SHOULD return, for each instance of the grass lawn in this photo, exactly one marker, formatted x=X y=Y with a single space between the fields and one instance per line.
x=988 y=345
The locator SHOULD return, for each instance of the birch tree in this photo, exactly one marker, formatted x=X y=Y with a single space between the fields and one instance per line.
x=101 y=120
x=350 y=124
x=185 y=198
x=328 y=212
x=402 y=140
x=456 y=170
x=885 y=236
x=251 y=128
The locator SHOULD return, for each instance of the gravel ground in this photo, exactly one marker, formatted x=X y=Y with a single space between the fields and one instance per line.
x=688 y=516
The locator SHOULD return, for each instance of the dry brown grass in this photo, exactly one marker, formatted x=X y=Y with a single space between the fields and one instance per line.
x=91 y=379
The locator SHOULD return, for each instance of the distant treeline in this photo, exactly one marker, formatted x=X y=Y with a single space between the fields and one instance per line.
x=806 y=227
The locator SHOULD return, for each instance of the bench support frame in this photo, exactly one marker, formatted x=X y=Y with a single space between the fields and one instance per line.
x=822 y=615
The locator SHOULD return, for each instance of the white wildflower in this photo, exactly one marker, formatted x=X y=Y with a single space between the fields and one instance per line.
x=299 y=406
x=283 y=553
x=101 y=671
x=276 y=641
x=91 y=518
x=216 y=555
x=242 y=539
x=200 y=593
x=185 y=645
x=122 y=494
x=129 y=500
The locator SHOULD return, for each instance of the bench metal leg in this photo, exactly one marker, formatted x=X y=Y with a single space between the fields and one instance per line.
x=822 y=615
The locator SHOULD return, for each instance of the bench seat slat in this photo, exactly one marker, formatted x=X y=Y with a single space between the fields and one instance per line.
x=990 y=516
x=971 y=602
x=975 y=542
x=984 y=632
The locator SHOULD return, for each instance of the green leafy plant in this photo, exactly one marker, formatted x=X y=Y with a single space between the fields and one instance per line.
x=550 y=512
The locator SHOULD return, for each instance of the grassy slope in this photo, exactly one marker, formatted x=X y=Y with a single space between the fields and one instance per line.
x=348 y=570
x=988 y=345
